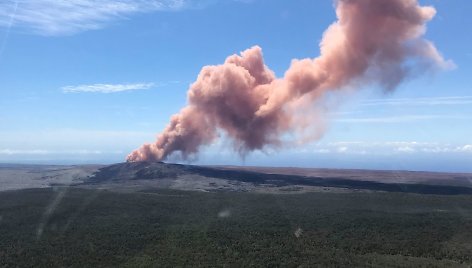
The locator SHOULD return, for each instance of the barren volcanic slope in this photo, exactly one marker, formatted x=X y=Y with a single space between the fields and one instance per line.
x=385 y=176
x=141 y=176
x=16 y=176
x=188 y=177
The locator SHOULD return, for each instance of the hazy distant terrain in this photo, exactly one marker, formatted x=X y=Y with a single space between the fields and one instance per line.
x=385 y=176
x=157 y=175
x=14 y=177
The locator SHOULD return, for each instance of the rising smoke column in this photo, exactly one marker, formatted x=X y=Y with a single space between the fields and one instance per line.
x=373 y=42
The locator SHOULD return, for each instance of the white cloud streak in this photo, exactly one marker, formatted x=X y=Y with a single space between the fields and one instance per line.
x=65 y=17
x=388 y=148
x=399 y=119
x=22 y=152
x=106 y=88
x=56 y=152
x=452 y=100
x=70 y=140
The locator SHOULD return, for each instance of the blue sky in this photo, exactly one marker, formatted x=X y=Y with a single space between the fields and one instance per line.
x=88 y=84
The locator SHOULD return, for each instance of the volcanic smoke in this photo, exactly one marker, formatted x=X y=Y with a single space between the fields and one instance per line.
x=373 y=42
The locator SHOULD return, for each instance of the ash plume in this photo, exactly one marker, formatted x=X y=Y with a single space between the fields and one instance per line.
x=372 y=43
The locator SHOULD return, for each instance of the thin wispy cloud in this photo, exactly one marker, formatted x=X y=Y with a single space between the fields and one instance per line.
x=388 y=148
x=55 y=152
x=69 y=142
x=65 y=17
x=29 y=152
x=399 y=119
x=453 y=100
x=8 y=24
x=106 y=88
